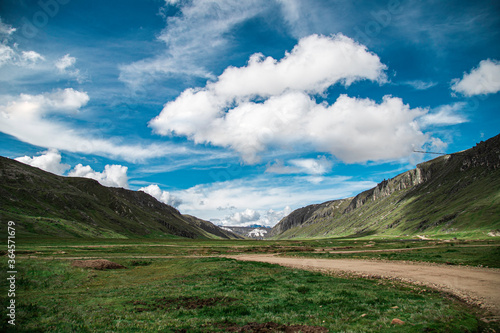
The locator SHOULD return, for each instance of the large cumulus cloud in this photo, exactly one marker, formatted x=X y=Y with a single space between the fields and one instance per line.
x=271 y=103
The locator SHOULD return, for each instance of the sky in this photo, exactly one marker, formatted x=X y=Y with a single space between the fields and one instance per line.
x=239 y=112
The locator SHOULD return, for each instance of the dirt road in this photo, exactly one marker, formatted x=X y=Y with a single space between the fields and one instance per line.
x=480 y=286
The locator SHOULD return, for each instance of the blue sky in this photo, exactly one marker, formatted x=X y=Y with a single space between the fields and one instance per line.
x=240 y=111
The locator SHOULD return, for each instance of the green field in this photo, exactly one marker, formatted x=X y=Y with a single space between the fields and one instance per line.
x=162 y=290
x=482 y=252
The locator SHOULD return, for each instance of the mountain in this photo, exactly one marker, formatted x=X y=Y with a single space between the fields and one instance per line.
x=456 y=193
x=254 y=231
x=211 y=228
x=41 y=203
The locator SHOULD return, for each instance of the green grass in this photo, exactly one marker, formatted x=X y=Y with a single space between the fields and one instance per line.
x=481 y=253
x=470 y=256
x=484 y=252
x=213 y=294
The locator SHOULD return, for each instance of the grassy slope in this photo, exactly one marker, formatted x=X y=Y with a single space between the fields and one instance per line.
x=453 y=202
x=45 y=204
x=210 y=227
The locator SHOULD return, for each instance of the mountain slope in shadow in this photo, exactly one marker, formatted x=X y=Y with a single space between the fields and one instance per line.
x=44 y=204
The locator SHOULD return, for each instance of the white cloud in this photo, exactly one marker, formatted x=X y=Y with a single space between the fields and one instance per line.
x=31 y=56
x=266 y=195
x=162 y=196
x=9 y=55
x=35 y=106
x=313 y=166
x=437 y=145
x=304 y=17
x=314 y=64
x=443 y=116
x=113 y=175
x=66 y=66
x=310 y=166
x=27 y=117
x=6 y=29
x=354 y=130
x=63 y=63
x=225 y=114
x=485 y=79
x=272 y=217
x=291 y=10
x=251 y=217
x=248 y=215
x=172 y=2
x=50 y=161
x=280 y=168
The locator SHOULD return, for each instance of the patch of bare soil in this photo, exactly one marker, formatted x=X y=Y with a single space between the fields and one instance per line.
x=189 y=303
x=99 y=264
x=273 y=327
x=269 y=327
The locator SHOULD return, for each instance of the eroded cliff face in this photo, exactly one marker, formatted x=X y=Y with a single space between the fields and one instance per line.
x=316 y=212
x=384 y=189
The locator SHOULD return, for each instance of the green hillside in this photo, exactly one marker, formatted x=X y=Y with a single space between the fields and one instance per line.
x=457 y=194
x=43 y=204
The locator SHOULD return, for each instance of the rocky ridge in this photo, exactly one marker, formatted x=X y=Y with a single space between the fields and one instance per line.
x=455 y=174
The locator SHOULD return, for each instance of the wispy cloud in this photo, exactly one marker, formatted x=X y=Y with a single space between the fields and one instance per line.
x=192 y=39
x=11 y=55
x=6 y=29
x=421 y=85
x=29 y=119
x=444 y=115
x=66 y=65
x=309 y=166
x=65 y=62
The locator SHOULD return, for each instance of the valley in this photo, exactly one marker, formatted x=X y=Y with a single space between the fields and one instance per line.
x=419 y=252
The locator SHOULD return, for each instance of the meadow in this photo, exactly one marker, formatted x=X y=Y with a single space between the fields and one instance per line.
x=179 y=285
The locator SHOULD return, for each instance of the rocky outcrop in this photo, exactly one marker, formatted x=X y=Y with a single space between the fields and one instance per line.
x=387 y=187
x=485 y=154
